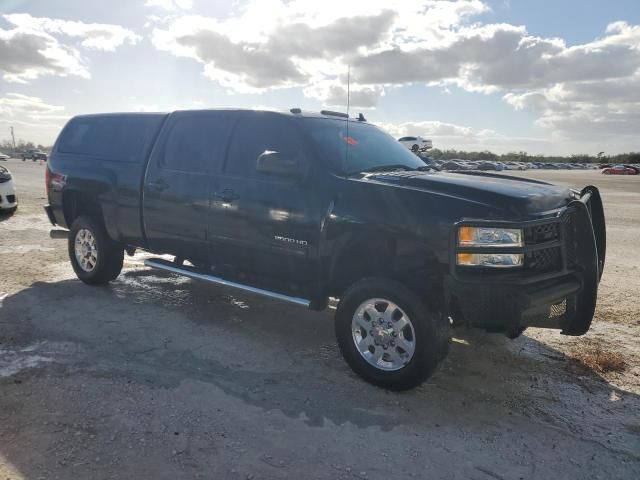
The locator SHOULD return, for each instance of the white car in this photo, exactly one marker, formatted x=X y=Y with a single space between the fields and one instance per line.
x=416 y=144
x=8 y=200
x=3 y=156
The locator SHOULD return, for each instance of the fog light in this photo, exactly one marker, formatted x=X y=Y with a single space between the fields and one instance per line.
x=489 y=259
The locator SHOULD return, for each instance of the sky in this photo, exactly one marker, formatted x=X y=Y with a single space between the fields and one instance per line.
x=545 y=76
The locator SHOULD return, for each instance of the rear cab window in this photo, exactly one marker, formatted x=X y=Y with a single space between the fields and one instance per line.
x=122 y=138
x=196 y=141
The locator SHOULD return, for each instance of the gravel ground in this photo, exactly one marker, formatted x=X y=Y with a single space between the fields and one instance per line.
x=156 y=376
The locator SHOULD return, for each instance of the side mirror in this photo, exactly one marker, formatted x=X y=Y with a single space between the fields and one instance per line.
x=280 y=164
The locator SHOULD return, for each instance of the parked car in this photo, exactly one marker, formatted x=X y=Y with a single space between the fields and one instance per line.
x=490 y=166
x=453 y=165
x=416 y=144
x=8 y=199
x=4 y=156
x=34 y=154
x=304 y=207
x=620 y=170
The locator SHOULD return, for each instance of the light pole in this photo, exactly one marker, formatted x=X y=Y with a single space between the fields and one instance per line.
x=13 y=138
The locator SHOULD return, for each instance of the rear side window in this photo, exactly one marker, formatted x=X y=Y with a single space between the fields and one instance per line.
x=196 y=141
x=257 y=132
x=115 y=138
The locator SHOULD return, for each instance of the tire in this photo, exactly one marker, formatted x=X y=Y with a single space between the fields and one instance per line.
x=431 y=334
x=8 y=211
x=514 y=333
x=109 y=255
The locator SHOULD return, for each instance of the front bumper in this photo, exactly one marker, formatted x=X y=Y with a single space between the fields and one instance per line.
x=8 y=198
x=561 y=295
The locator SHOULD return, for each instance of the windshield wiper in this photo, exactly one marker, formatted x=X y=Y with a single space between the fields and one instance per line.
x=387 y=168
x=424 y=168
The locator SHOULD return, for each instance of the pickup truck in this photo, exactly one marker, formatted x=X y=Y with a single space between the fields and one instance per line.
x=314 y=208
x=34 y=154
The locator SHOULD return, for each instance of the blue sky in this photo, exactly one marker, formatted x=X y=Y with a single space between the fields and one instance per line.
x=545 y=76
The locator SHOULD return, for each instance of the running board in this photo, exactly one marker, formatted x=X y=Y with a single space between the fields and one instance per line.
x=161 y=264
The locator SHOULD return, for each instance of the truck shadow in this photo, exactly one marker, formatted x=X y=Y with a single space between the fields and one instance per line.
x=160 y=331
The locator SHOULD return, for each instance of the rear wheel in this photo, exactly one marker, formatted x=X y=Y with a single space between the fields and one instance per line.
x=95 y=258
x=388 y=335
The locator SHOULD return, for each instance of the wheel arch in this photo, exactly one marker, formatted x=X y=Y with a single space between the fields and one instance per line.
x=76 y=203
x=385 y=255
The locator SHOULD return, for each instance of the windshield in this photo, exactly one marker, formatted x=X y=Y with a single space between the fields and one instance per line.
x=369 y=147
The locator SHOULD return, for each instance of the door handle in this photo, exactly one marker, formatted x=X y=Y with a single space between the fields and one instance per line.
x=227 y=195
x=158 y=185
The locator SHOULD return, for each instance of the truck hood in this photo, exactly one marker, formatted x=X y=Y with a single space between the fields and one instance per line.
x=519 y=196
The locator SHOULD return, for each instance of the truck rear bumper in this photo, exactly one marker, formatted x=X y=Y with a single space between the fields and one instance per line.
x=563 y=299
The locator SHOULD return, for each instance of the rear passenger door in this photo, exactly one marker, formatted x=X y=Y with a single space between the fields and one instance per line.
x=263 y=223
x=178 y=183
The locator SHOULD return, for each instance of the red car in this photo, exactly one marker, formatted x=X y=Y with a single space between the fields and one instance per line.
x=620 y=170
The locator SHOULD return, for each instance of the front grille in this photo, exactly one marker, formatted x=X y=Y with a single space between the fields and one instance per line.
x=569 y=240
x=11 y=198
x=546 y=259
x=547 y=232
x=543 y=260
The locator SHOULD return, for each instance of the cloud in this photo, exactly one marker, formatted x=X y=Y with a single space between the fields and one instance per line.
x=32 y=117
x=447 y=136
x=602 y=102
x=170 y=5
x=26 y=56
x=275 y=43
x=38 y=46
x=577 y=91
x=334 y=94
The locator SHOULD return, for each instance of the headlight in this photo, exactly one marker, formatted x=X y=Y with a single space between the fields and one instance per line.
x=489 y=237
x=489 y=259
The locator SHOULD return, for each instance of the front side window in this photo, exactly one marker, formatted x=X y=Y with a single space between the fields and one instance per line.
x=359 y=147
x=259 y=132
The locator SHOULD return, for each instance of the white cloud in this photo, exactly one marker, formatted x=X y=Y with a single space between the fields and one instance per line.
x=170 y=5
x=578 y=91
x=37 y=46
x=97 y=36
x=276 y=43
x=447 y=136
x=32 y=117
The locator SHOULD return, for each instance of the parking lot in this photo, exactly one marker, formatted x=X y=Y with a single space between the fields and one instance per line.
x=158 y=376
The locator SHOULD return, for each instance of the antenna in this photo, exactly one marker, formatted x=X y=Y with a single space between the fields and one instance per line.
x=348 y=139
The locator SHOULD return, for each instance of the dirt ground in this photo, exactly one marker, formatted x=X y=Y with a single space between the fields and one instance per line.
x=157 y=376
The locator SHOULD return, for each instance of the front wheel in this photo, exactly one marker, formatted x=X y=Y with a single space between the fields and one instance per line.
x=95 y=258
x=388 y=335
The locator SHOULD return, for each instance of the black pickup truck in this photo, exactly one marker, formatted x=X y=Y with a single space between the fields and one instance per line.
x=308 y=207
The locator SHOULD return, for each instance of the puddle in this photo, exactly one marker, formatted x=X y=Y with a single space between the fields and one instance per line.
x=18 y=223
x=14 y=360
x=25 y=249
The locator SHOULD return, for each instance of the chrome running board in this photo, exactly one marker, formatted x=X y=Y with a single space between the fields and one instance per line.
x=161 y=264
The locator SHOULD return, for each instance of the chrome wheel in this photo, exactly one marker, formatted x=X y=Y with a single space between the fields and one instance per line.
x=86 y=250
x=383 y=334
